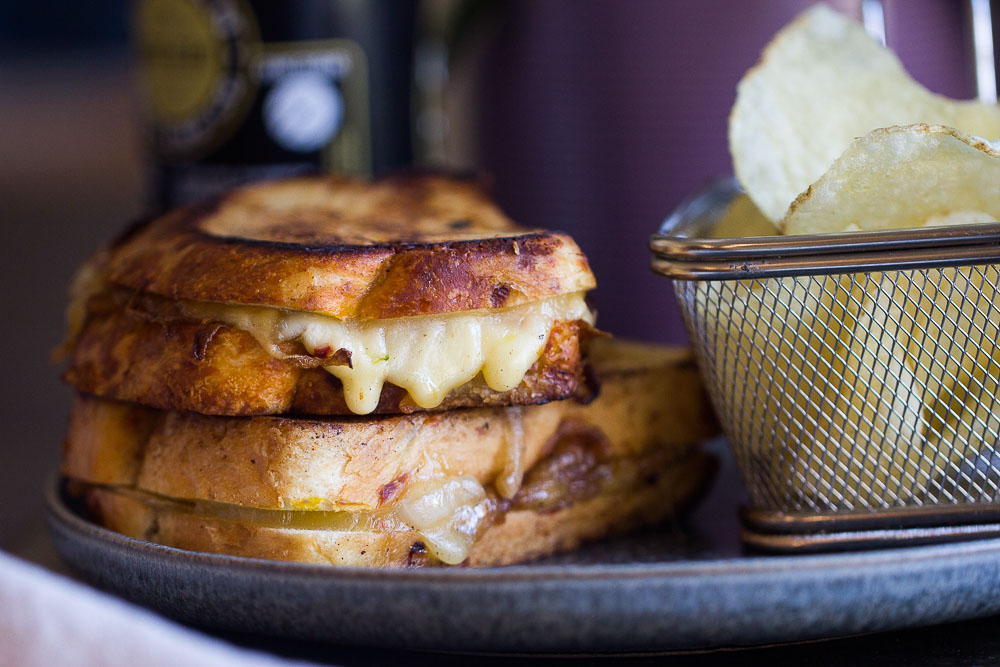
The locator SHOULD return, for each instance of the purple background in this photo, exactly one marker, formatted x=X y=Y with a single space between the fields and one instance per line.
x=599 y=117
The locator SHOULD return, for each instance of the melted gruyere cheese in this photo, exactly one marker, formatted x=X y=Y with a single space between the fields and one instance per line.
x=512 y=473
x=447 y=513
x=428 y=355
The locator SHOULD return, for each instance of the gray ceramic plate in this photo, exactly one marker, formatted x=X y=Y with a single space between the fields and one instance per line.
x=675 y=588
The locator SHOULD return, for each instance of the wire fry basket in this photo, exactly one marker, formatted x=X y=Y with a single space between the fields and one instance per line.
x=855 y=375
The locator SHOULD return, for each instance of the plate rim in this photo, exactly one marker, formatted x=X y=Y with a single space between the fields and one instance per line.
x=58 y=511
x=576 y=608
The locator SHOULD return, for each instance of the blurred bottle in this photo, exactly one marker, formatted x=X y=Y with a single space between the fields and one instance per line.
x=242 y=90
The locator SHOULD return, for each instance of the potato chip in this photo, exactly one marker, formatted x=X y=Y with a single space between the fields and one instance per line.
x=950 y=331
x=742 y=219
x=918 y=176
x=833 y=409
x=902 y=177
x=823 y=81
x=947 y=320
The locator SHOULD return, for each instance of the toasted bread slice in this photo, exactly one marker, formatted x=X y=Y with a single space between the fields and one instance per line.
x=179 y=364
x=398 y=247
x=518 y=535
x=651 y=397
x=413 y=293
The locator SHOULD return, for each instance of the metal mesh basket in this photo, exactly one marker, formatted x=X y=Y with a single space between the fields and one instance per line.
x=855 y=375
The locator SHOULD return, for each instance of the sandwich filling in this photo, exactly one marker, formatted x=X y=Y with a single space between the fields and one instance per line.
x=428 y=356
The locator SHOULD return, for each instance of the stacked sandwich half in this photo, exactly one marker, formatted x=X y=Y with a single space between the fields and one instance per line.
x=371 y=374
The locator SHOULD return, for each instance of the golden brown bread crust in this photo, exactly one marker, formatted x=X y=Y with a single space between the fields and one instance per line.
x=518 y=536
x=178 y=364
x=398 y=247
x=651 y=398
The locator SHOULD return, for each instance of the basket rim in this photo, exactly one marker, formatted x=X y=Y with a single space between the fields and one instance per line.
x=682 y=251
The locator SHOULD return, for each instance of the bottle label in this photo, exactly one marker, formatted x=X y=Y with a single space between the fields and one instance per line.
x=315 y=99
x=220 y=98
x=195 y=61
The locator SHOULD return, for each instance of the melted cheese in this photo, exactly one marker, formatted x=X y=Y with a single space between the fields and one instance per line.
x=512 y=474
x=428 y=356
x=447 y=513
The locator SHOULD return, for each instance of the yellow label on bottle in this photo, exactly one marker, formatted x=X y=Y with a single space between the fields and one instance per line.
x=194 y=57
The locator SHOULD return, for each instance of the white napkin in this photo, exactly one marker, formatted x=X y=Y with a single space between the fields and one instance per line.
x=51 y=620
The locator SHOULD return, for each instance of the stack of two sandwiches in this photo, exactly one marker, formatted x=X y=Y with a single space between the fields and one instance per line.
x=366 y=374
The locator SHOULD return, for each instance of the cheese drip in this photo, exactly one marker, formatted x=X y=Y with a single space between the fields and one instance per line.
x=512 y=473
x=447 y=512
x=428 y=355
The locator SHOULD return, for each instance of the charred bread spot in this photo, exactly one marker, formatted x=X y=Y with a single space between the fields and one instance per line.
x=499 y=295
x=202 y=339
x=417 y=555
x=530 y=245
x=289 y=248
x=459 y=224
x=391 y=489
